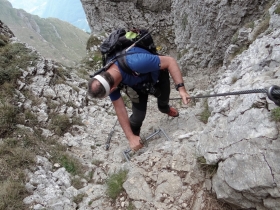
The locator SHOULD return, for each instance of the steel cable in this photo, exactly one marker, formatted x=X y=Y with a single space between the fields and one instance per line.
x=273 y=93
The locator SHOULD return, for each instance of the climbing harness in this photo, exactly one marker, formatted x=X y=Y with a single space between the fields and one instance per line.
x=273 y=94
x=110 y=137
x=144 y=141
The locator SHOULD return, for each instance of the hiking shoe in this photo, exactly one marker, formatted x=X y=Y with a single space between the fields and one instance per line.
x=173 y=112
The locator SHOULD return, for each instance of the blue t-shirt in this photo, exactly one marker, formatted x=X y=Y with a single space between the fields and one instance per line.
x=142 y=62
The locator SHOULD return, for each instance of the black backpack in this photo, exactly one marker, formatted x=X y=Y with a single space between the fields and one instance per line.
x=115 y=45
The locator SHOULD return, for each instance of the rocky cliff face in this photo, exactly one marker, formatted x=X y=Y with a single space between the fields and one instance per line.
x=241 y=37
x=204 y=29
x=198 y=32
x=103 y=16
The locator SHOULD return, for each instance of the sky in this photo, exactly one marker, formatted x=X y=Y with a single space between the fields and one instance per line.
x=30 y=6
x=66 y=10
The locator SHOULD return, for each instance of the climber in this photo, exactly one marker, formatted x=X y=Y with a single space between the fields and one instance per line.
x=151 y=77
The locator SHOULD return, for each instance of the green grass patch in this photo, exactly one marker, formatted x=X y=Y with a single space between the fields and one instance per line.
x=209 y=170
x=60 y=124
x=262 y=27
x=30 y=118
x=277 y=10
x=131 y=206
x=250 y=24
x=92 y=41
x=3 y=40
x=11 y=193
x=7 y=91
x=77 y=121
x=275 y=114
x=9 y=73
x=83 y=73
x=234 y=38
x=17 y=154
x=71 y=164
x=59 y=155
x=93 y=60
x=182 y=53
x=240 y=50
x=63 y=72
x=77 y=183
x=234 y=79
x=12 y=58
x=205 y=114
x=79 y=198
x=16 y=157
x=114 y=184
x=8 y=118
x=184 y=21
x=97 y=162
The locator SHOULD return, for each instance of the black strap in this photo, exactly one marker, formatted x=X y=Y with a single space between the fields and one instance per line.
x=113 y=60
x=122 y=62
x=120 y=57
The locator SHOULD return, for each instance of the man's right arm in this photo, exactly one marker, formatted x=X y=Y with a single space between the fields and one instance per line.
x=134 y=141
x=167 y=62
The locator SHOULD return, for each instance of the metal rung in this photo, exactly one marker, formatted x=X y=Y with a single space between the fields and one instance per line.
x=144 y=141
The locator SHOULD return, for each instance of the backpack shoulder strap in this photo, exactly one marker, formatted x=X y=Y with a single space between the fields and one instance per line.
x=122 y=62
x=121 y=58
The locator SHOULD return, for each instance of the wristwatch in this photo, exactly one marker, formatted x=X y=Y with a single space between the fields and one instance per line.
x=179 y=85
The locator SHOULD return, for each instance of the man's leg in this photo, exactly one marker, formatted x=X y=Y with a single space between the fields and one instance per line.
x=163 y=100
x=164 y=86
x=138 y=113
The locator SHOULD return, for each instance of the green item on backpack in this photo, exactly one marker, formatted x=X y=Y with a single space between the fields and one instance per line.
x=130 y=35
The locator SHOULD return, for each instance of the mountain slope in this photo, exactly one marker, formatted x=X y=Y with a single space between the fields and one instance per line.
x=72 y=11
x=52 y=37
